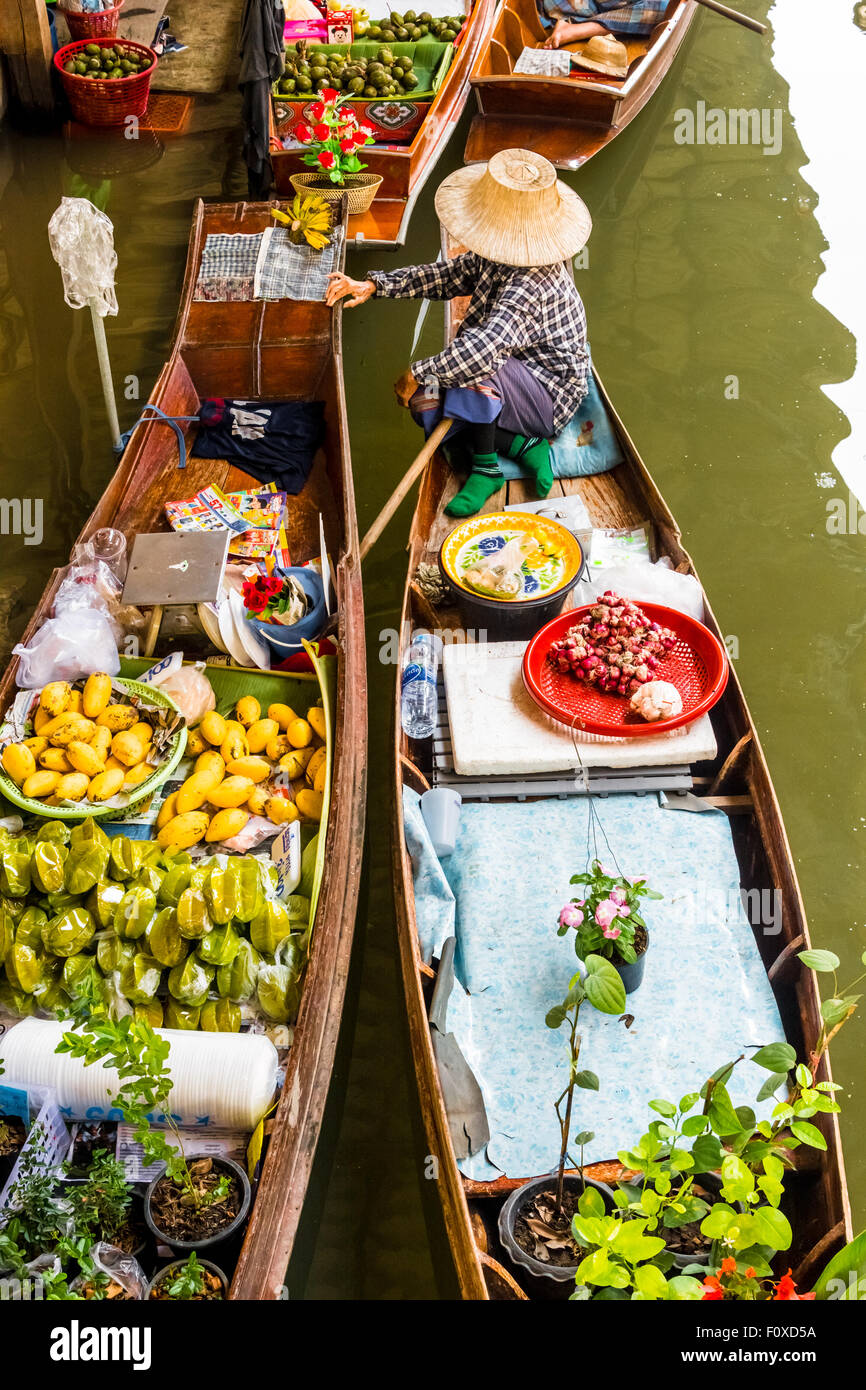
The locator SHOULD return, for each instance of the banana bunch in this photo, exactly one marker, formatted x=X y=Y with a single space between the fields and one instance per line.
x=274 y=766
x=308 y=219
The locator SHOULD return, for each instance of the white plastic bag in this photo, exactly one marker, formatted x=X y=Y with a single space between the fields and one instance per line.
x=77 y=643
x=82 y=244
x=191 y=691
x=644 y=582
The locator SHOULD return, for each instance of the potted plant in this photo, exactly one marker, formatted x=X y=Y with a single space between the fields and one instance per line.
x=606 y=921
x=12 y=1137
x=332 y=142
x=191 y=1280
x=535 y=1221
x=106 y=1208
x=193 y=1204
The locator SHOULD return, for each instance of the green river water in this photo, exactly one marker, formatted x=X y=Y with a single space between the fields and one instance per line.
x=703 y=267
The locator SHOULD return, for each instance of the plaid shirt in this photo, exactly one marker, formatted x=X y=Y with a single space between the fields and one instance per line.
x=640 y=18
x=534 y=314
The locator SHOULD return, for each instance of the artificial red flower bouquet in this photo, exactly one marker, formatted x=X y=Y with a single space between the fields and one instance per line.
x=261 y=595
x=334 y=138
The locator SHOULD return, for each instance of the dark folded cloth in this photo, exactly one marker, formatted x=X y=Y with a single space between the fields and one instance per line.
x=274 y=441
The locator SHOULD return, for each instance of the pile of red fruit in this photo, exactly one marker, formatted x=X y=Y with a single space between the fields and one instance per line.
x=615 y=647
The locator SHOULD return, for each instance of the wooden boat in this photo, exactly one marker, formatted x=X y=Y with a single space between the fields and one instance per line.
x=406 y=168
x=739 y=783
x=284 y=349
x=567 y=119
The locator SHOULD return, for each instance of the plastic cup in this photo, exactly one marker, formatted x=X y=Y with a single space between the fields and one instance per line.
x=441 y=811
x=110 y=545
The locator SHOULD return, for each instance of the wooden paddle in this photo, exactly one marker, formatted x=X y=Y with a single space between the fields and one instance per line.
x=728 y=13
x=413 y=472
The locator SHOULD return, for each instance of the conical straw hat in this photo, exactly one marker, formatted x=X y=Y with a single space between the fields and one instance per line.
x=514 y=210
x=604 y=54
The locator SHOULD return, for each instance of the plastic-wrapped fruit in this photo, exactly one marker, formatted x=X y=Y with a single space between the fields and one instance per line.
x=176 y=880
x=47 y=866
x=23 y=969
x=69 y=933
x=165 y=940
x=28 y=929
x=271 y=926
x=15 y=861
x=278 y=988
x=193 y=917
x=103 y=902
x=190 y=981
x=84 y=868
x=246 y=887
x=134 y=913
x=140 y=979
x=220 y=946
x=126 y=856
x=150 y=1012
x=7 y=933
x=182 y=1016
x=113 y=954
x=220 y=1016
x=238 y=980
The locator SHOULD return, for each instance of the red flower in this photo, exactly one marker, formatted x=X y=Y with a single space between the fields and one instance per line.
x=256 y=603
x=786 y=1291
x=303 y=133
x=326 y=159
x=713 y=1291
x=347 y=145
x=329 y=94
x=317 y=110
x=729 y=1266
x=322 y=131
x=359 y=137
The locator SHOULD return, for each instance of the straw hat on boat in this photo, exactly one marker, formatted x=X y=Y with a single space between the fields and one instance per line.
x=514 y=210
x=604 y=54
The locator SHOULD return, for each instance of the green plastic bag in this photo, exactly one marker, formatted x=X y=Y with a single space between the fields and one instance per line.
x=238 y=980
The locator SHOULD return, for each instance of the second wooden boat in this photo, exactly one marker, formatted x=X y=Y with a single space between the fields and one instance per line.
x=737 y=782
x=567 y=119
x=405 y=168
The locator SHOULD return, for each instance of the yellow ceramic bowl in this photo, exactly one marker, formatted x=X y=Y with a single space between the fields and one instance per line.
x=548 y=557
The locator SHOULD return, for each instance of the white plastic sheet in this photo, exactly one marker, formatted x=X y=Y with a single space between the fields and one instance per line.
x=82 y=244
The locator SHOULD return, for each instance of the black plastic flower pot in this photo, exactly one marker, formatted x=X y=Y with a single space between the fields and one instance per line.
x=504 y=620
x=220 y=1237
x=171 y=1271
x=631 y=972
x=543 y=1280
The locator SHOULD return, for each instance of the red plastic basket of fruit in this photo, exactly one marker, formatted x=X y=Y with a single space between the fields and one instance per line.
x=92 y=24
x=695 y=663
x=119 y=84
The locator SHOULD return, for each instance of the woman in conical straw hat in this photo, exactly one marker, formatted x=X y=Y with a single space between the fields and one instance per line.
x=575 y=20
x=516 y=371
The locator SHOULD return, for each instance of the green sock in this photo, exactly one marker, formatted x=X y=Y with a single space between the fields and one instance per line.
x=535 y=454
x=483 y=481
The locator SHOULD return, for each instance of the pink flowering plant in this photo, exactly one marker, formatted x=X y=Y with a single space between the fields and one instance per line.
x=334 y=137
x=606 y=918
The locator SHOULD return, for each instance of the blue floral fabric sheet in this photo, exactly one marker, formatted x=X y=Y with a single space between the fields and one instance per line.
x=704 y=1000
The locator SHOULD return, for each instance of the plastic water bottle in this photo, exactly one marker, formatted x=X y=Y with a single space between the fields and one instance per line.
x=419 y=703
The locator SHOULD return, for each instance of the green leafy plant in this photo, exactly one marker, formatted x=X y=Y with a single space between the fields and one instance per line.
x=623 y=1260
x=604 y=990
x=605 y=920
x=100 y=1204
x=189 y=1281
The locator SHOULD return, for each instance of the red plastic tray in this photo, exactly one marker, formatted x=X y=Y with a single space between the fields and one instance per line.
x=697 y=666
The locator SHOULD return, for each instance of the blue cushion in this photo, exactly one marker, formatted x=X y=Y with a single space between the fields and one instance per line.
x=579 y=450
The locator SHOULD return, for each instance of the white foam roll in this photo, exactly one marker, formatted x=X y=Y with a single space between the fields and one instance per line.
x=225 y=1080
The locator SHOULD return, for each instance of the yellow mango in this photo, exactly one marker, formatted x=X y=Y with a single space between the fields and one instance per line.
x=112 y=763
x=316 y=717
x=277 y=748
x=117 y=718
x=234 y=746
x=283 y=714
x=294 y=762
x=41 y=783
x=40 y=719
x=257 y=769
x=37 y=744
x=105 y=785
x=65 y=728
x=83 y=757
x=227 y=824
x=260 y=734
x=72 y=787
x=167 y=811
x=19 y=762
x=97 y=693
x=196 y=743
x=248 y=710
x=299 y=733
x=258 y=800
x=183 y=831
x=128 y=749
x=211 y=761
x=55 y=760
x=138 y=774
x=233 y=791
x=142 y=730
x=100 y=742
x=316 y=762
x=309 y=804
x=195 y=792
x=281 y=810
x=320 y=781
x=213 y=728
x=76 y=703
x=55 y=697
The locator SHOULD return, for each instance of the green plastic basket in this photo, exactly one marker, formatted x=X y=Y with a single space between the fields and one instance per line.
x=94 y=810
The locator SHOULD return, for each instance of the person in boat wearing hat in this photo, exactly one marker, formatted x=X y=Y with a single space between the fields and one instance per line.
x=575 y=20
x=516 y=371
